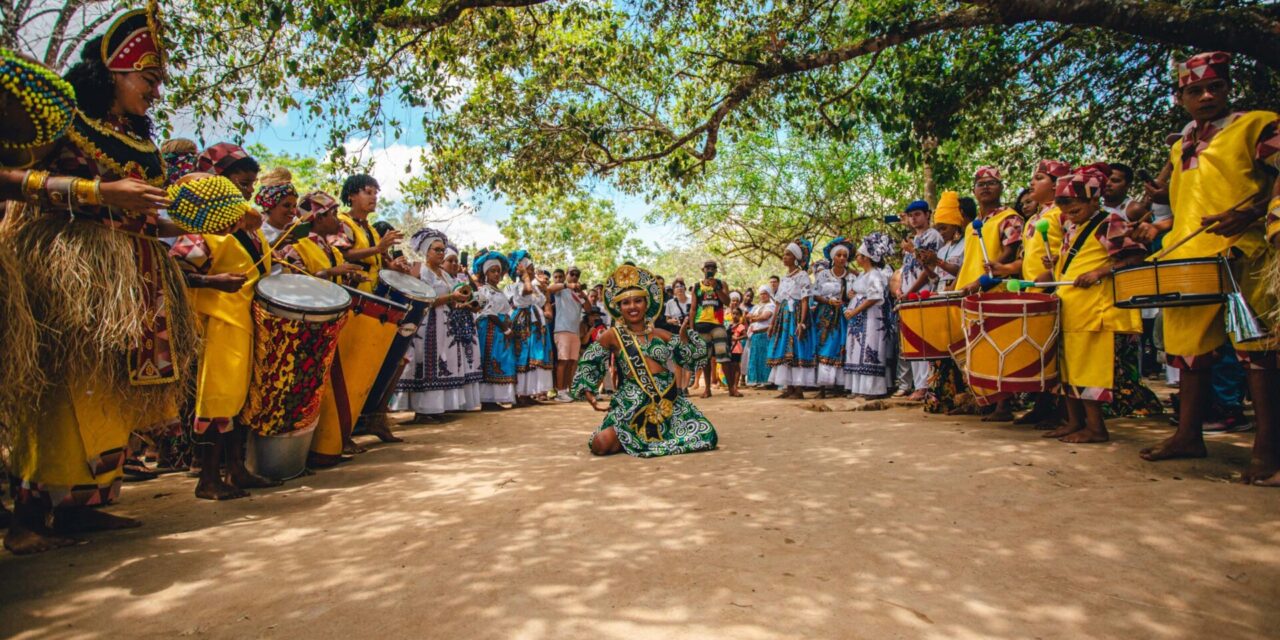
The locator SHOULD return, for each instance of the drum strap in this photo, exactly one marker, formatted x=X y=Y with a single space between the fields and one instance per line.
x=1085 y=233
x=252 y=248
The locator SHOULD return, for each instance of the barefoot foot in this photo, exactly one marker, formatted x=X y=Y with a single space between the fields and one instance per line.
x=1273 y=481
x=1061 y=431
x=86 y=520
x=1001 y=415
x=218 y=490
x=246 y=479
x=1259 y=471
x=21 y=541
x=1087 y=436
x=1173 y=450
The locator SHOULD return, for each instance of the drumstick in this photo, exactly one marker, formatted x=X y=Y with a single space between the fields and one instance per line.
x=1202 y=229
x=272 y=249
x=977 y=230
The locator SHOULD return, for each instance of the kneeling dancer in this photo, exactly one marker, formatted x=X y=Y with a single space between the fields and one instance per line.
x=646 y=417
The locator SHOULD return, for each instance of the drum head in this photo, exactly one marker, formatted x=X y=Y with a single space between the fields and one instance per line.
x=303 y=293
x=407 y=285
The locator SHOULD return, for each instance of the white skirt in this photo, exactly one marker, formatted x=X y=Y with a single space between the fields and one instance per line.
x=785 y=375
x=830 y=375
x=532 y=383
x=504 y=393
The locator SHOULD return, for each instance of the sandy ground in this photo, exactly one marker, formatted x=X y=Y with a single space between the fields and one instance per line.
x=805 y=524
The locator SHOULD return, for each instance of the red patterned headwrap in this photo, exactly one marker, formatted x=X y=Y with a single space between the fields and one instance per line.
x=270 y=196
x=1204 y=66
x=984 y=173
x=1054 y=168
x=1086 y=182
x=316 y=203
x=217 y=158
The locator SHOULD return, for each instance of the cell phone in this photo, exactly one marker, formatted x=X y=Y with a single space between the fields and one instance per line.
x=462 y=257
x=891 y=219
x=395 y=253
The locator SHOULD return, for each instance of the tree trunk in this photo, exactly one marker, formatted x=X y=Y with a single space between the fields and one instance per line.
x=929 y=156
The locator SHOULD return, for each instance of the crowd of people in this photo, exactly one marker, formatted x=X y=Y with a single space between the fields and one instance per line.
x=146 y=296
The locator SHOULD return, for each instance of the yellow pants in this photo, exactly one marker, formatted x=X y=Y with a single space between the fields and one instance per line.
x=226 y=367
x=73 y=454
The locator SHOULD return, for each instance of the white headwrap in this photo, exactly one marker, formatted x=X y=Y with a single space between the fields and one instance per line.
x=493 y=262
x=450 y=250
x=764 y=288
x=735 y=295
x=795 y=250
x=839 y=247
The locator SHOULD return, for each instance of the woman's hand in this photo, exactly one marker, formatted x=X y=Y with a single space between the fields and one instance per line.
x=1088 y=279
x=132 y=194
x=591 y=400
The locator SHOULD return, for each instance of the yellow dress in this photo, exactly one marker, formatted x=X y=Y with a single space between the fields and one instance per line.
x=310 y=254
x=226 y=361
x=1034 y=247
x=1222 y=174
x=364 y=237
x=1090 y=319
x=974 y=265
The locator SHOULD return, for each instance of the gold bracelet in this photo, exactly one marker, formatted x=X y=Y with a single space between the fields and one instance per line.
x=86 y=192
x=33 y=185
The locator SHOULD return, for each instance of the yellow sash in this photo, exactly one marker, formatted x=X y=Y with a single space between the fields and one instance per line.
x=373 y=263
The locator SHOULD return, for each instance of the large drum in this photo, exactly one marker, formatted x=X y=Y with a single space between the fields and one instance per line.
x=1172 y=283
x=930 y=329
x=372 y=324
x=297 y=319
x=1011 y=343
x=417 y=296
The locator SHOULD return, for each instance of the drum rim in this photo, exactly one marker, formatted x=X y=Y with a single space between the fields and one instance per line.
x=337 y=310
x=992 y=301
x=1175 y=261
x=408 y=294
x=946 y=302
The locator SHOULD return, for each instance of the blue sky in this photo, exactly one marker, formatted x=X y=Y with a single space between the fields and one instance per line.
x=287 y=134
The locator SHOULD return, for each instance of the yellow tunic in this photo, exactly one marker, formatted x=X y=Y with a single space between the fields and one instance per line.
x=974 y=265
x=314 y=257
x=1034 y=246
x=362 y=240
x=1090 y=321
x=1225 y=173
x=226 y=363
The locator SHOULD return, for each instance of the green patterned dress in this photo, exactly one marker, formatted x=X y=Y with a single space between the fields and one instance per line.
x=649 y=416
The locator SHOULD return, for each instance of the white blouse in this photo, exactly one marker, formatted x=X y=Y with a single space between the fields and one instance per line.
x=494 y=302
x=794 y=288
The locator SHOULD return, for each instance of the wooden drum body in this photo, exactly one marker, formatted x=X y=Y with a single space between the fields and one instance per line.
x=1011 y=342
x=1172 y=283
x=930 y=329
x=372 y=325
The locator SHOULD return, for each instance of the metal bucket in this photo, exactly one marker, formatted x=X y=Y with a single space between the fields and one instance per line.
x=279 y=457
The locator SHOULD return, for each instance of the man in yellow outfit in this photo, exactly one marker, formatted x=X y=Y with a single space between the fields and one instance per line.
x=222 y=269
x=1224 y=169
x=1000 y=236
x=358 y=241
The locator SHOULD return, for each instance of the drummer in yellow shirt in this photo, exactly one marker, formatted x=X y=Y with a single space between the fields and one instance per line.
x=999 y=241
x=222 y=269
x=1224 y=169
x=314 y=254
x=1036 y=245
x=358 y=241
x=1094 y=243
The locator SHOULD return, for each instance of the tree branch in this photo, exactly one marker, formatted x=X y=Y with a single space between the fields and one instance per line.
x=447 y=14
x=1242 y=30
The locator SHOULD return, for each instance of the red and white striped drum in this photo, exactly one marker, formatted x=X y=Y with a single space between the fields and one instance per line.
x=1011 y=343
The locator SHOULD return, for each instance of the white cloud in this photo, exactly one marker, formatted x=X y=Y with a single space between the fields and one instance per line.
x=391 y=166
